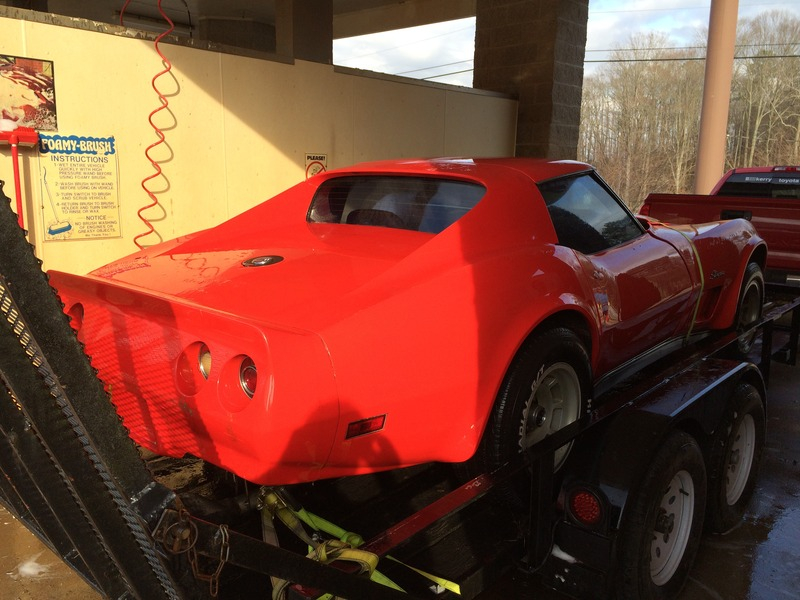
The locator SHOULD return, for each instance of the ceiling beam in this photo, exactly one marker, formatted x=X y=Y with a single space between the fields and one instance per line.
x=373 y=17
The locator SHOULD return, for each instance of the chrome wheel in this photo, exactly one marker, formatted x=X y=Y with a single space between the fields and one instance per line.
x=554 y=402
x=740 y=461
x=673 y=528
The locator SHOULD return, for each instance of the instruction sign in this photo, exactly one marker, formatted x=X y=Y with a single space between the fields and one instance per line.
x=79 y=187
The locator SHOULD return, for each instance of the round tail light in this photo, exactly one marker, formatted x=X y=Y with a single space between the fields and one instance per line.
x=204 y=361
x=248 y=376
x=75 y=314
x=193 y=368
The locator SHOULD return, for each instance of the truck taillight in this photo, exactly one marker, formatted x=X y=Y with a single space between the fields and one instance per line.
x=645 y=210
x=585 y=507
x=786 y=169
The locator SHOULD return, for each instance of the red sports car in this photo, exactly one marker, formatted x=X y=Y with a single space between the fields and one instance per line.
x=402 y=312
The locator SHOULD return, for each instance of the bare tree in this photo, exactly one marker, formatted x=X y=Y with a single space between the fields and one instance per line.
x=640 y=112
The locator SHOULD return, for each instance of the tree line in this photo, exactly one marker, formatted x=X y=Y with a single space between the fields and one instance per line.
x=640 y=112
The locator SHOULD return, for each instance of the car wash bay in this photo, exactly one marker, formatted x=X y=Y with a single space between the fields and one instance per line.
x=756 y=560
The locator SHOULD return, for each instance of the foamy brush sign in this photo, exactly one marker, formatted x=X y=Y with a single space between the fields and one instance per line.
x=79 y=187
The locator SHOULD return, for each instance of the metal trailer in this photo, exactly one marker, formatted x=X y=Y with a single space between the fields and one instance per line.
x=657 y=455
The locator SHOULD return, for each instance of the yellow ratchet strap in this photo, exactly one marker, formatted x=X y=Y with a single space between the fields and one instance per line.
x=331 y=550
x=450 y=586
x=343 y=549
x=318 y=523
x=702 y=282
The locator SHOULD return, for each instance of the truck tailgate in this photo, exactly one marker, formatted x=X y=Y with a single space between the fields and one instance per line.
x=777 y=220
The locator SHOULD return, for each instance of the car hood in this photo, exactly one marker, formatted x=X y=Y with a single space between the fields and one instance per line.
x=302 y=278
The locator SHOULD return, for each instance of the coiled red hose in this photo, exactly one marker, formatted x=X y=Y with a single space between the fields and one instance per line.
x=160 y=134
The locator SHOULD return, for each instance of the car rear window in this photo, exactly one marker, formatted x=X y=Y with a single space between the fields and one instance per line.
x=779 y=184
x=415 y=203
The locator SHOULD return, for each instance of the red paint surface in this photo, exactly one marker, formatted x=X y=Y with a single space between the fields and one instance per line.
x=358 y=321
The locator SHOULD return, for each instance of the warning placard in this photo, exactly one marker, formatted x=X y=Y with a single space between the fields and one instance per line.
x=79 y=187
x=316 y=163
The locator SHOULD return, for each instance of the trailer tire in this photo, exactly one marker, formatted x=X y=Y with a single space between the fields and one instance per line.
x=545 y=389
x=733 y=459
x=661 y=534
x=750 y=305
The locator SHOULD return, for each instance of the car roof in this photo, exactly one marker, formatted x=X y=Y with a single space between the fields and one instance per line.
x=482 y=169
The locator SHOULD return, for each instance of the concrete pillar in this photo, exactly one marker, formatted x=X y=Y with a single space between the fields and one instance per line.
x=713 y=141
x=534 y=50
x=304 y=29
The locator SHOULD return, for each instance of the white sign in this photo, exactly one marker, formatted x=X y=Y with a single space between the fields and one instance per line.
x=316 y=163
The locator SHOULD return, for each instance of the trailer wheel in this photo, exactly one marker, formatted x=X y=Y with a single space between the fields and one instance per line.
x=733 y=460
x=661 y=534
x=545 y=389
x=751 y=302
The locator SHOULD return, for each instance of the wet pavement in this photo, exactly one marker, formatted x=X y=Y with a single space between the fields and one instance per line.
x=758 y=560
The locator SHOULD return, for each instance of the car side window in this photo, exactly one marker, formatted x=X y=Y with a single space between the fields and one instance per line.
x=586 y=216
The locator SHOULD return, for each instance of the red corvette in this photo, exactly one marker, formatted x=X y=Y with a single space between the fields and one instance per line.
x=397 y=313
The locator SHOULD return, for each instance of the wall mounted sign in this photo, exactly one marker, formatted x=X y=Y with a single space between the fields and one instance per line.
x=316 y=163
x=79 y=187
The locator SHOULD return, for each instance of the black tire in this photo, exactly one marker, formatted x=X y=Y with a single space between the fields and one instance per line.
x=661 y=533
x=750 y=306
x=545 y=389
x=733 y=459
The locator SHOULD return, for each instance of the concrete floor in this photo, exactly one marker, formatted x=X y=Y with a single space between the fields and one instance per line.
x=759 y=560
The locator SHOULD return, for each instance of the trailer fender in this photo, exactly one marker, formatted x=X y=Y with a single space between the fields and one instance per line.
x=612 y=459
x=693 y=401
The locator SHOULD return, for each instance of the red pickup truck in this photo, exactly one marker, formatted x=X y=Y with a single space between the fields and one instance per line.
x=769 y=197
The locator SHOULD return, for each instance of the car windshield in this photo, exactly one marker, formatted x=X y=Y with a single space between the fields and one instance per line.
x=777 y=184
x=416 y=203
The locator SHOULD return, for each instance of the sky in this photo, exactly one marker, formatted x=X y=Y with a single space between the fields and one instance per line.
x=443 y=52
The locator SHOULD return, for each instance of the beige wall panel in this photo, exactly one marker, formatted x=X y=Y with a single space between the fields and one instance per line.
x=479 y=125
x=275 y=114
x=397 y=120
x=237 y=129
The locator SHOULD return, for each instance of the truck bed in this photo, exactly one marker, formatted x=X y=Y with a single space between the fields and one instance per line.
x=776 y=219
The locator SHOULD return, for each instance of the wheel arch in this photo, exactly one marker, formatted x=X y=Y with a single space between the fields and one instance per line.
x=571 y=319
x=759 y=255
x=567 y=316
x=755 y=252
